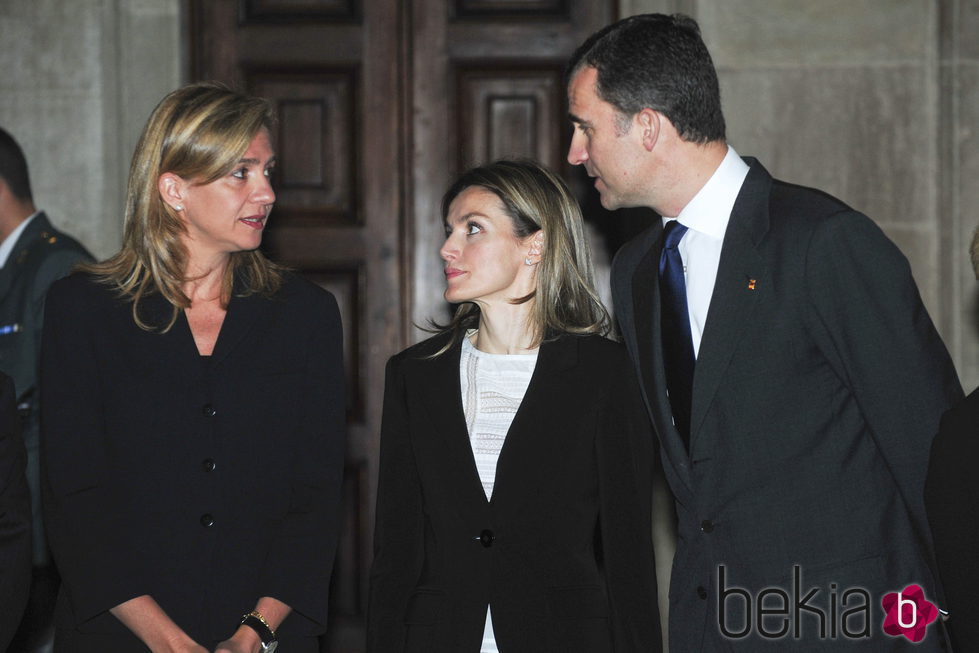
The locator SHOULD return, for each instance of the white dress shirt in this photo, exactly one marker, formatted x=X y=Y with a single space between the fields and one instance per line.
x=8 y=243
x=706 y=218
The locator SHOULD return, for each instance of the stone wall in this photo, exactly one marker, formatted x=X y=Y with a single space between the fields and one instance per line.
x=958 y=191
x=79 y=80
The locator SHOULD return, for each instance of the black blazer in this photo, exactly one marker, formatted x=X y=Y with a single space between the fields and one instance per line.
x=204 y=482
x=15 y=517
x=952 y=500
x=817 y=391
x=562 y=552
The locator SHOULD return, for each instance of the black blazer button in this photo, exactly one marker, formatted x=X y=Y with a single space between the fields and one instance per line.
x=207 y=520
x=486 y=538
x=208 y=410
x=209 y=465
x=701 y=592
x=707 y=526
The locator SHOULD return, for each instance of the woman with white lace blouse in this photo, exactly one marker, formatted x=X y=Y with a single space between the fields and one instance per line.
x=513 y=500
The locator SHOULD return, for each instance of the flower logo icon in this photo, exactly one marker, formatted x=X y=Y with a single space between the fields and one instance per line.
x=908 y=613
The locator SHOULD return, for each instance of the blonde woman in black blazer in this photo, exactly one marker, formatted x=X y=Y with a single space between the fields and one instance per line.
x=561 y=550
x=193 y=422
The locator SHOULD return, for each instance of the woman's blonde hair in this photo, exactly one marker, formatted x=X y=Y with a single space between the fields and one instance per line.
x=198 y=132
x=536 y=199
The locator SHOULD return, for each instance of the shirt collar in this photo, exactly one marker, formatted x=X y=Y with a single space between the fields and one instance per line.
x=8 y=244
x=710 y=209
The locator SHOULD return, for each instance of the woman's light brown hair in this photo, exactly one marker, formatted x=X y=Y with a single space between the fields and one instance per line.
x=198 y=132
x=536 y=199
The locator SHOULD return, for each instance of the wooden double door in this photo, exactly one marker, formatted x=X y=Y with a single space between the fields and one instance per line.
x=380 y=103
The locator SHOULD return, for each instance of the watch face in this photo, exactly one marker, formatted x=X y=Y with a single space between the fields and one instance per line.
x=271 y=646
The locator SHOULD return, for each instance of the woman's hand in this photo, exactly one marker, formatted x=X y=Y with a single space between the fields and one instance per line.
x=194 y=647
x=245 y=640
x=144 y=616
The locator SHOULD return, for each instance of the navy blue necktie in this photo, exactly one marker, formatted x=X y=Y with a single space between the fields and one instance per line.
x=677 y=343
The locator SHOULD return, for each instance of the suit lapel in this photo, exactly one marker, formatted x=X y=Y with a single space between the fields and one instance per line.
x=646 y=305
x=245 y=314
x=645 y=298
x=442 y=399
x=155 y=310
x=518 y=468
x=742 y=280
x=31 y=233
x=6 y=277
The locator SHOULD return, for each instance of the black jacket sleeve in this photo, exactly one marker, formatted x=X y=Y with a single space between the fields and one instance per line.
x=398 y=530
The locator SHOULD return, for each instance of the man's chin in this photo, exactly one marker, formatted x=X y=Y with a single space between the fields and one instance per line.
x=609 y=202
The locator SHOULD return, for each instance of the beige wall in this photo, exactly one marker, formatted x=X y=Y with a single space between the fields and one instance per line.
x=79 y=79
x=957 y=171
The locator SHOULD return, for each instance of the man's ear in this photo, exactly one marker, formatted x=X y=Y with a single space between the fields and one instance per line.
x=650 y=123
x=172 y=189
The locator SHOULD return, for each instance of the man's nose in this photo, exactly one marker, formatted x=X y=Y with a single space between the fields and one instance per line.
x=576 y=152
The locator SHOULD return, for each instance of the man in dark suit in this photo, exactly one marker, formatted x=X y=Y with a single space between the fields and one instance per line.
x=15 y=517
x=952 y=501
x=33 y=255
x=792 y=374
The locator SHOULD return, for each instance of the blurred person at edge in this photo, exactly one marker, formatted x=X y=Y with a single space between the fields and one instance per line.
x=33 y=255
x=514 y=487
x=952 y=501
x=15 y=517
x=193 y=423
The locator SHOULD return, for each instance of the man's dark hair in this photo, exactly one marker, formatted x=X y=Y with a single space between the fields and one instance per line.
x=658 y=62
x=13 y=167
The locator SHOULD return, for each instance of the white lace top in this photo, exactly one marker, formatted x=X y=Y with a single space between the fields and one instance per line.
x=493 y=385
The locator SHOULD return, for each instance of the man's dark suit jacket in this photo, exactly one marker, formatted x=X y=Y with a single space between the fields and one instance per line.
x=952 y=500
x=15 y=517
x=572 y=480
x=205 y=482
x=41 y=256
x=817 y=391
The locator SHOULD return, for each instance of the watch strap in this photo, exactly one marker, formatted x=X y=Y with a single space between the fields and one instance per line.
x=257 y=622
